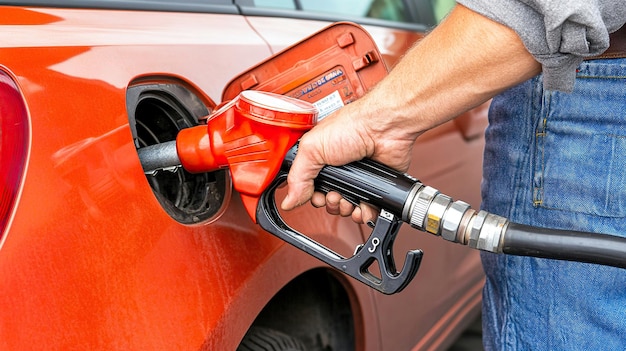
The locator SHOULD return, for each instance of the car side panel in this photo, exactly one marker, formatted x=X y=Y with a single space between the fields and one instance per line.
x=91 y=261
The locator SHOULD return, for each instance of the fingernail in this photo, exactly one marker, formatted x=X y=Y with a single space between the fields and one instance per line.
x=285 y=204
x=288 y=203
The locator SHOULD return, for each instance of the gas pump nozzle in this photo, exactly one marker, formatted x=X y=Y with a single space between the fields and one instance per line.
x=248 y=135
x=255 y=135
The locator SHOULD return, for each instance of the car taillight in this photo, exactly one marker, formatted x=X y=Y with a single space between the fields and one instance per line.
x=13 y=145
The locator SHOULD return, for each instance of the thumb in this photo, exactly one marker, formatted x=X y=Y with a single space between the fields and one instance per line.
x=300 y=186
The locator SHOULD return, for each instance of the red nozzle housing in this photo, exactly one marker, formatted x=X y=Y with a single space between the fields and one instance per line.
x=250 y=135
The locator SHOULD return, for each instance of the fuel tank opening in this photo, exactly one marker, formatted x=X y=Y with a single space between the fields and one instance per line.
x=156 y=113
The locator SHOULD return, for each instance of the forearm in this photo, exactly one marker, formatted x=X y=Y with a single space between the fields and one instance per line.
x=465 y=61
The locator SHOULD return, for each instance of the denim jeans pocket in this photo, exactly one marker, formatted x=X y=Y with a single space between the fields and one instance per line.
x=580 y=154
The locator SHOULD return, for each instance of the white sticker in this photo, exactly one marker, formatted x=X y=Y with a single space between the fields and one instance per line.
x=328 y=104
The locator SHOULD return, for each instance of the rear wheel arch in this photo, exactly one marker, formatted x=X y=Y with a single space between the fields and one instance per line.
x=314 y=308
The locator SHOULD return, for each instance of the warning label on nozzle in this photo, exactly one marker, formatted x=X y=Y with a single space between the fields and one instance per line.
x=328 y=104
x=328 y=91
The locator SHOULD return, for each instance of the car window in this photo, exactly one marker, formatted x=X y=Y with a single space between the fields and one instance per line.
x=209 y=6
x=441 y=8
x=390 y=10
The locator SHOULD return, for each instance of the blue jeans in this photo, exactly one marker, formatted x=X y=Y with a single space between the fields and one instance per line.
x=557 y=160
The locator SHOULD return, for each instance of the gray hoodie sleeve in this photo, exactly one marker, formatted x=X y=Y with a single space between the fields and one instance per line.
x=558 y=33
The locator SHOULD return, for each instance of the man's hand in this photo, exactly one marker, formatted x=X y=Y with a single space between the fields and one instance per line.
x=343 y=137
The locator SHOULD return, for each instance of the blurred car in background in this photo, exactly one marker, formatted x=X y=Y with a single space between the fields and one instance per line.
x=97 y=255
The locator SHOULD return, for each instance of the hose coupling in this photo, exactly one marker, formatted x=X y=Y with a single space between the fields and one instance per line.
x=486 y=232
x=431 y=211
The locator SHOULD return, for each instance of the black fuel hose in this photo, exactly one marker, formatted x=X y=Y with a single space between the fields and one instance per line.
x=158 y=156
x=525 y=240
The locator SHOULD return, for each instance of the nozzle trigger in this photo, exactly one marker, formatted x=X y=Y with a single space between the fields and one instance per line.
x=378 y=248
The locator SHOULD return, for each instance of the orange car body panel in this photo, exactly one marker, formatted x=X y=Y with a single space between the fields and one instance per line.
x=91 y=261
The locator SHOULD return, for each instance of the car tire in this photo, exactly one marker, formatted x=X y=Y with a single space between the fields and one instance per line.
x=266 y=339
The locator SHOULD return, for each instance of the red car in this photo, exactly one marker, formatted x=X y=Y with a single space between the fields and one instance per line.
x=97 y=255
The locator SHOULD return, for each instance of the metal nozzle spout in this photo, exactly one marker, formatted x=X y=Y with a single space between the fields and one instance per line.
x=158 y=157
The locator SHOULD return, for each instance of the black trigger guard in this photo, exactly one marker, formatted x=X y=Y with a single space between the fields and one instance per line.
x=378 y=248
